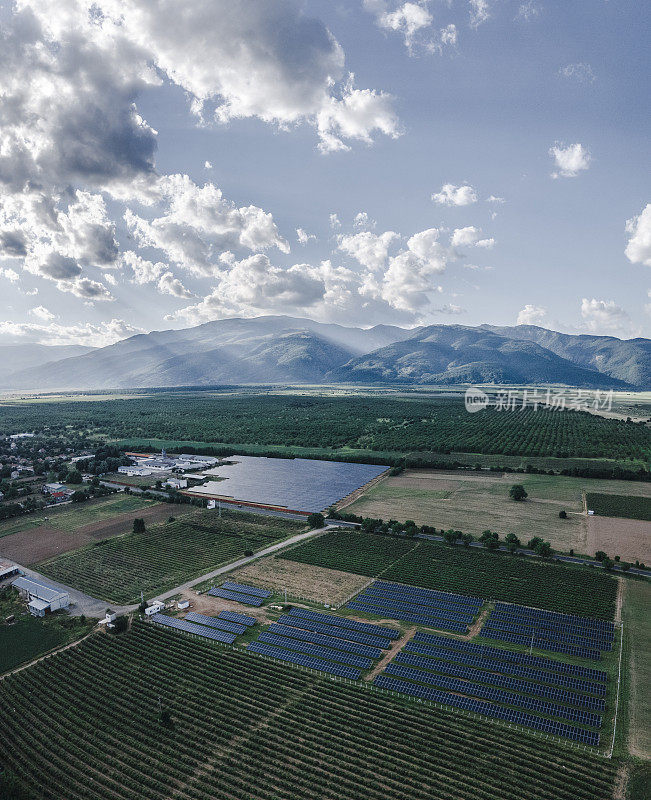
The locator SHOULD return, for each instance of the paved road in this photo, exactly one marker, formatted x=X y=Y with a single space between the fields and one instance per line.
x=241 y=562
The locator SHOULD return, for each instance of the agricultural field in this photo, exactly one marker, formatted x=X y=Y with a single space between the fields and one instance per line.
x=166 y=554
x=635 y=616
x=571 y=590
x=236 y=726
x=28 y=637
x=33 y=538
x=473 y=501
x=379 y=424
x=617 y=505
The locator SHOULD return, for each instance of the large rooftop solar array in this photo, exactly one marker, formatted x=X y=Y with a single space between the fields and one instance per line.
x=449 y=612
x=490 y=710
x=191 y=627
x=292 y=657
x=297 y=484
x=509 y=655
x=326 y=641
x=233 y=616
x=214 y=622
x=246 y=589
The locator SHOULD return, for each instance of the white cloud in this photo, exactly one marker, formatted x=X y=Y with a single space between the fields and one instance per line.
x=603 y=316
x=528 y=10
x=362 y=220
x=569 y=160
x=334 y=222
x=304 y=237
x=139 y=269
x=94 y=335
x=451 y=195
x=42 y=313
x=479 y=12
x=496 y=200
x=371 y=250
x=10 y=274
x=581 y=72
x=168 y=284
x=207 y=165
x=470 y=237
x=407 y=18
x=638 y=249
x=531 y=315
x=451 y=309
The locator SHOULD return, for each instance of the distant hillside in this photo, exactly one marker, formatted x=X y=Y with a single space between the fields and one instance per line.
x=277 y=349
x=26 y=356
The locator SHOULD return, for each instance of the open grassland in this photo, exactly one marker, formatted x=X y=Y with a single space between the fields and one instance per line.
x=245 y=728
x=469 y=571
x=166 y=554
x=473 y=501
x=635 y=616
x=618 y=505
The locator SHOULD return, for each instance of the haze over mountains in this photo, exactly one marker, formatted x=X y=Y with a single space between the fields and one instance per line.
x=278 y=349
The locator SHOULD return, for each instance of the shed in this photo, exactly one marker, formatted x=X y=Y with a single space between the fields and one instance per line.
x=41 y=597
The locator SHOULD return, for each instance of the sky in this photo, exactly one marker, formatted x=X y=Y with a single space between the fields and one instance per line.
x=164 y=164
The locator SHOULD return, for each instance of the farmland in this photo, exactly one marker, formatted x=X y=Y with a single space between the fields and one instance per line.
x=166 y=554
x=234 y=723
x=473 y=501
x=466 y=571
x=617 y=505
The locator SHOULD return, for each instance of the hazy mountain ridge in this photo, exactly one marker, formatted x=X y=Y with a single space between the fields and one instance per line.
x=274 y=349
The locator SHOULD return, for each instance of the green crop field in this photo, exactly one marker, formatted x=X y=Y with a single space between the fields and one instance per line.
x=619 y=505
x=85 y=725
x=469 y=571
x=166 y=554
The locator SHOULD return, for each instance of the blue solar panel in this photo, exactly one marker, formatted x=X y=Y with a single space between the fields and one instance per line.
x=569 y=619
x=405 y=590
x=541 y=644
x=315 y=650
x=190 y=627
x=304 y=661
x=490 y=710
x=233 y=616
x=547 y=635
x=241 y=598
x=333 y=630
x=504 y=681
x=213 y=622
x=449 y=601
x=245 y=589
x=344 y=622
x=326 y=641
x=496 y=695
x=423 y=619
x=509 y=655
x=456 y=615
x=545 y=623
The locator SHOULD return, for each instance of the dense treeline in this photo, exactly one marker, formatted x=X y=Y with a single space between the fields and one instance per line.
x=390 y=425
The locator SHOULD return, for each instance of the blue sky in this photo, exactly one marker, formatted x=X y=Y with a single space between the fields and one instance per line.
x=156 y=166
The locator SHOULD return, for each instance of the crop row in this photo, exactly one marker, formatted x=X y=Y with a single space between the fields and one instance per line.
x=81 y=724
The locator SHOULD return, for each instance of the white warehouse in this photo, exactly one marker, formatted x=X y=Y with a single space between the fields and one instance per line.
x=41 y=597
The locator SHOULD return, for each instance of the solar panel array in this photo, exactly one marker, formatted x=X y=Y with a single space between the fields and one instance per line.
x=191 y=627
x=490 y=710
x=334 y=630
x=233 y=616
x=248 y=600
x=316 y=650
x=509 y=655
x=450 y=612
x=327 y=641
x=305 y=661
x=246 y=589
x=344 y=622
x=214 y=622
x=548 y=630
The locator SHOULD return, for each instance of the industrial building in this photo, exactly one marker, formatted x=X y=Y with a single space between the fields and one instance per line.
x=41 y=597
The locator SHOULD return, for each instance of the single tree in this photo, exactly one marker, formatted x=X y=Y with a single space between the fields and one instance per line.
x=316 y=521
x=466 y=538
x=518 y=492
x=139 y=525
x=562 y=514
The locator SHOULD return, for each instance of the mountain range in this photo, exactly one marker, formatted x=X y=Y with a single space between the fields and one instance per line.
x=279 y=349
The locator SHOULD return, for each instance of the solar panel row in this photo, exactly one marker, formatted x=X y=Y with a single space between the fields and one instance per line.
x=190 y=627
x=241 y=598
x=542 y=644
x=213 y=622
x=586 y=622
x=547 y=635
x=326 y=641
x=315 y=650
x=507 y=668
x=423 y=603
x=497 y=695
x=501 y=681
x=304 y=661
x=233 y=616
x=245 y=589
x=334 y=630
x=344 y=622
x=423 y=619
x=432 y=593
x=509 y=655
x=543 y=623
x=456 y=615
x=490 y=710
